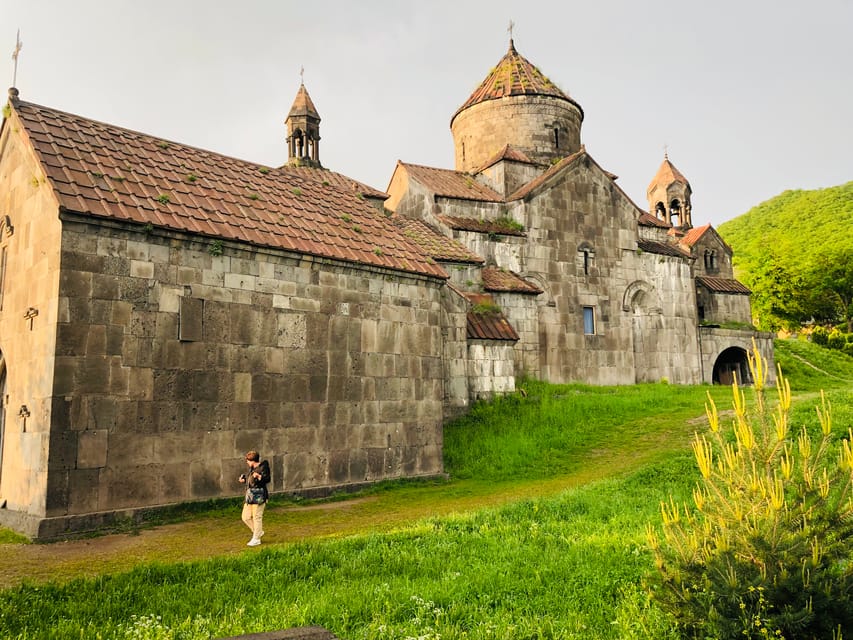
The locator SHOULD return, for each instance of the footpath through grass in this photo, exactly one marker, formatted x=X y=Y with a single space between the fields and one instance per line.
x=540 y=533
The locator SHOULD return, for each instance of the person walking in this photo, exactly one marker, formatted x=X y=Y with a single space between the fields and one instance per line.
x=256 y=495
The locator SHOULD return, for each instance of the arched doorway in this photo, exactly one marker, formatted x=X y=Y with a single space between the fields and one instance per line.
x=730 y=363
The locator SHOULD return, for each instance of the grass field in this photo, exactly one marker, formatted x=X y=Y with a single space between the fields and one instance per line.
x=539 y=533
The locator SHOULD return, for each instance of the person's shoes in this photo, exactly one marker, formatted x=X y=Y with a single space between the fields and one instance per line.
x=261 y=535
x=254 y=542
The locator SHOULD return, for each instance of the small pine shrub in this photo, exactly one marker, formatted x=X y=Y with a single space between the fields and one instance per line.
x=766 y=551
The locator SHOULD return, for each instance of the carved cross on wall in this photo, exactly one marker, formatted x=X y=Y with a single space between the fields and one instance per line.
x=31 y=313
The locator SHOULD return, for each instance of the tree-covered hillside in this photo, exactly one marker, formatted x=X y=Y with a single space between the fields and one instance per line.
x=795 y=252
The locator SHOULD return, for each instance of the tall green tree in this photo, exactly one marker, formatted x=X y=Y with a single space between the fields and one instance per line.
x=831 y=281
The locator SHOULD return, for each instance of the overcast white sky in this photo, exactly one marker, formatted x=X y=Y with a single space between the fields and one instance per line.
x=752 y=97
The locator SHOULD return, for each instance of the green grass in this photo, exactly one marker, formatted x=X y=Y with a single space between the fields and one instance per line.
x=540 y=533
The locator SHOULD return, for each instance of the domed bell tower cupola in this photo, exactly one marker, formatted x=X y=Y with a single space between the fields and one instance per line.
x=303 y=131
x=669 y=196
x=516 y=105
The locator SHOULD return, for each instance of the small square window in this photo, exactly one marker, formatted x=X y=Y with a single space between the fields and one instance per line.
x=589 y=321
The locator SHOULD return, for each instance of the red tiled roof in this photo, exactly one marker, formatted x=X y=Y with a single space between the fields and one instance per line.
x=501 y=227
x=320 y=174
x=648 y=220
x=667 y=174
x=662 y=248
x=303 y=105
x=486 y=321
x=451 y=184
x=505 y=280
x=722 y=285
x=507 y=153
x=433 y=243
x=514 y=75
x=692 y=236
x=105 y=171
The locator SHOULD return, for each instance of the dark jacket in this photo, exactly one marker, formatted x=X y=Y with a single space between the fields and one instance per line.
x=264 y=470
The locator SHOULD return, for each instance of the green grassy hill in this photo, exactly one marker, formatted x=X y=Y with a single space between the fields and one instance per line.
x=777 y=242
x=797 y=224
x=494 y=553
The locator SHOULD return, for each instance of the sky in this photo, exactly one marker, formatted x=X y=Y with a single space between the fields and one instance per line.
x=749 y=98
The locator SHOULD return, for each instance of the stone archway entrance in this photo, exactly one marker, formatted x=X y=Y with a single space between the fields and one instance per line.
x=730 y=363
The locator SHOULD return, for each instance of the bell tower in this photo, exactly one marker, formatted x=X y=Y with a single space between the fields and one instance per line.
x=303 y=131
x=669 y=196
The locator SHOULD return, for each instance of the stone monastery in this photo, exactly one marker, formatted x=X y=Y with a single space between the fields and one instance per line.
x=164 y=309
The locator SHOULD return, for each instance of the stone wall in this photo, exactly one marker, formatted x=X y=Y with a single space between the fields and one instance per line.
x=490 y=368
x=29 y=241
x=525 y=122
x=659 y=302
x=581 y=210
x=720 y=308
x=175 y=356
x=454 y=332
x=714 y=341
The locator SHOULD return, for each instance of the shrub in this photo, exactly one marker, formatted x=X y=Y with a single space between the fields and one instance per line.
x=820 y=335
x=765 y=552
x=836 y=340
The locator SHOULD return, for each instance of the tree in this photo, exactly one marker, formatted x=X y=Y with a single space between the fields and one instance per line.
x=765 y=551
x=831 y=282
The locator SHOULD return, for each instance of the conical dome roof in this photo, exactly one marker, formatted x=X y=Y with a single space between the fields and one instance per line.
x=514 y=75
x=667 y=174
x=302 y=105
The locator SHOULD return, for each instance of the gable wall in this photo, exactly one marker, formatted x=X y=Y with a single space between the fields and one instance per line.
x=581 y=207
x=710 y=241
x=31 y=281
x=334 y=373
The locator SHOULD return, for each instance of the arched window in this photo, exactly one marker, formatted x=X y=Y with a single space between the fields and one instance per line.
x=675 y=212
x=660 y=211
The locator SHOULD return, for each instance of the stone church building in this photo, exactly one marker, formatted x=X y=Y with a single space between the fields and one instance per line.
x=164 y=308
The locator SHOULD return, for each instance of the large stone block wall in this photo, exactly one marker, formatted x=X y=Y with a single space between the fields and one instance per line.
x=491 y=369
x=583 y=210
x=522 y=311
x=525 y=122
x=29 y=237
x=722 y=307
x=659 y=302
x=334 y=373
x=454 y=331
x=508 y=176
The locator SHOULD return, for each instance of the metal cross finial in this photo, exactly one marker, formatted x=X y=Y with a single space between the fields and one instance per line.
x=301 y=75
x=510 y=28
x=18 y=45
x=666 y=151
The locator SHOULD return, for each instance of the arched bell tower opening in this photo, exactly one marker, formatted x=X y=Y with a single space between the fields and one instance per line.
x=730 y=363
x=669 y=196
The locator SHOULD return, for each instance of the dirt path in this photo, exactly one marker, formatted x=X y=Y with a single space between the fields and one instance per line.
x=223 y=534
